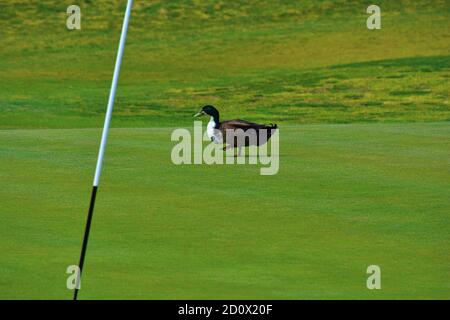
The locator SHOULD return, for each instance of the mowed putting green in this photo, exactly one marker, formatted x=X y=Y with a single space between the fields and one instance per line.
x=346 y=196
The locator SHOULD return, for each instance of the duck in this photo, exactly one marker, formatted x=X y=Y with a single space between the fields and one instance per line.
x=217 y=130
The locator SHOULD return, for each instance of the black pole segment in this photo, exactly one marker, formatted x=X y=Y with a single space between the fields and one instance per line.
x=86 y=238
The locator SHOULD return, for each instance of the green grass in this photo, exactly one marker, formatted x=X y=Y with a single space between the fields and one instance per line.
x=364 y=135
x=346 y=197
x=286 y=61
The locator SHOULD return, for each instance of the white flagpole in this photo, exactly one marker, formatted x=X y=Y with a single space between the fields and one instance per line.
x=105 y=132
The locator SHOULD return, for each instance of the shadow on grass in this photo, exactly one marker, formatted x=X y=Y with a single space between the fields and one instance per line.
x=429 y=63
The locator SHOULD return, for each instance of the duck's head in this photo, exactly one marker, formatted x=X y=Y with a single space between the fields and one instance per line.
x=208 y=110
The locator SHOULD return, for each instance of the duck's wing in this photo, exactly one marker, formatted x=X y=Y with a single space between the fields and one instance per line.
x=245 y=126
x=241 y=124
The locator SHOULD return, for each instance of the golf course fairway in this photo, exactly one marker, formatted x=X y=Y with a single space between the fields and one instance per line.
x=346 y=197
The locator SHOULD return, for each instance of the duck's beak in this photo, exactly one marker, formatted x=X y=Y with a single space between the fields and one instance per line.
x=198 y=114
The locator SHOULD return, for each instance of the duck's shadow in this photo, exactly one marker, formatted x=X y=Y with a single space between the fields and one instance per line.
x=254 y=156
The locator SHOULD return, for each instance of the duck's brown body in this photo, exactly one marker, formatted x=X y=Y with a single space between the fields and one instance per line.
x=245 y=133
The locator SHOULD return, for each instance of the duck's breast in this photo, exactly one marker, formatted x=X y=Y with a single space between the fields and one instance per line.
x=213 y=134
